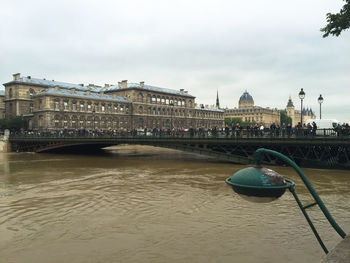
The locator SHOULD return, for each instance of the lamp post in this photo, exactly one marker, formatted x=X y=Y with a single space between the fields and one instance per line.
x=301 y=97
x=202 y=107
x=258 y=182
x=171 y=103
x=93 y=117
x=320 y=100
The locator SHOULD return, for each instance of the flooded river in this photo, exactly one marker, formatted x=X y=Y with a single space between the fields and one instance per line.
x=145 y=204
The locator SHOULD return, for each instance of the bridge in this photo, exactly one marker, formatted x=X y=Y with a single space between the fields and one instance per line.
x=306 y=151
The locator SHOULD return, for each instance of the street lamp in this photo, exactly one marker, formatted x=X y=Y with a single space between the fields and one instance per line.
x=171 y=103
x=93 y=117
x=202 y=107
x=265 y=185
x=320 y=100
x=301 y=97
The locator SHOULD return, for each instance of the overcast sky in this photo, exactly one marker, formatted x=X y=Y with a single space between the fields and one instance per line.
x=270 y=48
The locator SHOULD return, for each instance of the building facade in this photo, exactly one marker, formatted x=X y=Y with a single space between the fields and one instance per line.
x=295 y=115
x=248 y=112
x=54 y=105
x=2 y=104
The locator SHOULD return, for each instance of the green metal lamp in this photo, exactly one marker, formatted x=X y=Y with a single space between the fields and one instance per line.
x=260 y=184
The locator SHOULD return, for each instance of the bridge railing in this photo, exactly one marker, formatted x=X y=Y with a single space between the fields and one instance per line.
x=225 y=134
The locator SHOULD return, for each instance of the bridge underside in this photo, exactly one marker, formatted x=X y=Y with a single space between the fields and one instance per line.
x=304 y=153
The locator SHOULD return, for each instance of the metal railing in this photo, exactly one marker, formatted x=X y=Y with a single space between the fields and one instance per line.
x=200 y=133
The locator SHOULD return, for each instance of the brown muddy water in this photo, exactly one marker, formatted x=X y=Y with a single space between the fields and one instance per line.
x=145 y=204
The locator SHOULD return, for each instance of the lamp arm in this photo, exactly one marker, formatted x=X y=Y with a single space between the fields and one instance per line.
x=258 y=156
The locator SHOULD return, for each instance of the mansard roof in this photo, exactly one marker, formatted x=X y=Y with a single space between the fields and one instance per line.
x=147 y=88
x=82 y=95
x=246 y=97
x=197 y=107
x=52 y=83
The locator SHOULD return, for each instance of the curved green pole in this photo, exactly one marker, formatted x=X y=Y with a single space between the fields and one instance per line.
x=258 y=156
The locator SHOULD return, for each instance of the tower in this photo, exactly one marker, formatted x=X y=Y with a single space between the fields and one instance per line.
x=217 y=100
x=290 y=110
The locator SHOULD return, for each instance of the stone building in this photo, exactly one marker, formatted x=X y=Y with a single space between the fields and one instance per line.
x=295 y=115
x=53 y=105
x=2 y=104
x=248 y=112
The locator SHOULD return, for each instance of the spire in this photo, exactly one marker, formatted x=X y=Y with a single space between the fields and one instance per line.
x=217 y=99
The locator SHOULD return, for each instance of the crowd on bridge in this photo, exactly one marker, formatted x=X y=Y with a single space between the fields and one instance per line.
x=235 y=131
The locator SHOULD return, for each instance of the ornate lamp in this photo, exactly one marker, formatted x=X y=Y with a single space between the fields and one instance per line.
x=320 y=101
x=301 y=97
x=260 y=184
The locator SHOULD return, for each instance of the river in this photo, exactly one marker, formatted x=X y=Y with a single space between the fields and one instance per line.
x=145 y=204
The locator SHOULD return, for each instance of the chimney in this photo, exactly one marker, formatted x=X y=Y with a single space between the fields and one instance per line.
x=206 y=106
x=125 y=84
x=106 y=86
x=182 y=91
x=16 y=76
x=142 y=83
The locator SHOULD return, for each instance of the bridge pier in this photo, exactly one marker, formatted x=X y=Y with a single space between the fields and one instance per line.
x=5 y=145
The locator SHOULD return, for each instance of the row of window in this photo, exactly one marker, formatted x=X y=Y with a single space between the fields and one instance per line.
x=90 y=107
x=164 y=100
x=178 y=112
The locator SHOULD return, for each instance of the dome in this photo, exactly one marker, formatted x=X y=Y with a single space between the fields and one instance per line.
x=246 y=101
x=246 y=97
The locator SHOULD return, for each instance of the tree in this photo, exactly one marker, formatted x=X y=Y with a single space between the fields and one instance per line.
x=14 y=124
x=284 y=118
x=337 y=22
x=234 y=121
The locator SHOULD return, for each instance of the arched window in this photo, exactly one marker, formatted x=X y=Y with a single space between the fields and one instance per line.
x=10 y=93
x=149 y=98
x=140 y=110
x=140 y=97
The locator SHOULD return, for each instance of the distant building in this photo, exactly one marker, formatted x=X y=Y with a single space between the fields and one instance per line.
x=295 y=115
x=2 y=104
x=248 y=112
x=55 y=105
